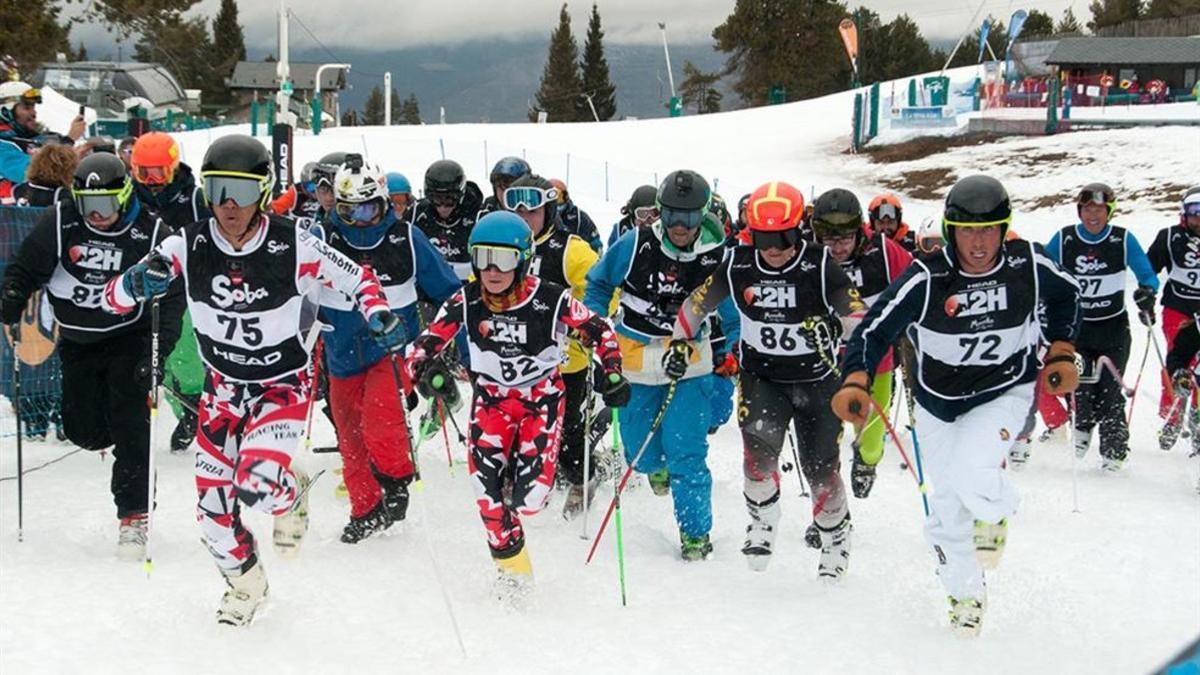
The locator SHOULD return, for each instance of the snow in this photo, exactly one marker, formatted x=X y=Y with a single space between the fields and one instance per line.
x=1114 y=587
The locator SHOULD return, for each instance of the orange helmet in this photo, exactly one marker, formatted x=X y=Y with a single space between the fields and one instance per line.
x=155 y=159
x=874 y=211
x=562 y=190
x=774 y=207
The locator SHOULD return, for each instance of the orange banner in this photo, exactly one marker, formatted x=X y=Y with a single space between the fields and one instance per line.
x=850 y=38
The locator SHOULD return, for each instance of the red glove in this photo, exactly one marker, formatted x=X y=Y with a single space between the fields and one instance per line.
x=728 y=366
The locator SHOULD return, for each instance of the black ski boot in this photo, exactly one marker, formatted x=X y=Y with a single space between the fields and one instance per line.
x=395 y=496
x=185 y=430
x=376 y=521
x=862 y=476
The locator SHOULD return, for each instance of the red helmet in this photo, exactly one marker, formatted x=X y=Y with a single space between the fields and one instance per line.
x=562 y=190
x=774 y=207
x=873 y=212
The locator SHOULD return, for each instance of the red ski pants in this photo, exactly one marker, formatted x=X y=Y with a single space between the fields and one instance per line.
x=1172 y=321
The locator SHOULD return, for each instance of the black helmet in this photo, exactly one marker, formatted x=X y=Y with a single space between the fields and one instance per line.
x=1097 y=193
x=101 y=185
x=327 y=167
x=550 y=207
x=979 y=200
x=445 y=176
x=238 y=156
x=837 y=212
x=684 y=191
x=510 y=167
x=643 y=196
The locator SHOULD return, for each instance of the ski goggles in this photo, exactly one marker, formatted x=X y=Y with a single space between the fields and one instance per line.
x=401 y=200
x=1191 y=209
x=780 y=240
x=886 y=211
x=98 y=205
x=687 y=218
x=502 y=258
x=1002 y=223
x=245 y=190
x=444 y=198
x=359 y=212
x=643 y=215
x=930 y=244
x=31 y=97
x=528 y=197
x=153 y=175
x=1096 y=197
x=309 y=187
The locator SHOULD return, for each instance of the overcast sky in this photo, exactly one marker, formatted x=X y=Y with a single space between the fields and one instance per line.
x=402 y=23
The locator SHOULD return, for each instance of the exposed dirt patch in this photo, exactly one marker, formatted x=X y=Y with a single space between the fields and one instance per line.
x=923 y=183
x=920 y=148
x=1169 y=193
x=1049 y=157
x=1047 y=201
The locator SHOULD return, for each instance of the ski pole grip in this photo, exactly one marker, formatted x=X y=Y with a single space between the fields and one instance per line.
x=437 y=381
x=613 y=378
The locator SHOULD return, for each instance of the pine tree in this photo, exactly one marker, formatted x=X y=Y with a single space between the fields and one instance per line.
x=185 y=48
x=697 y=89
x=19 y=21
x=229 y=47
x=1170 y=9
x=410 y=110
x=968 y=53
x=905 y=51
x=1112 y=12
x=1037 y=24
x=558 y=93
x=373 y=109
x=1068 y=23
x=596 y=81
x=81 y=54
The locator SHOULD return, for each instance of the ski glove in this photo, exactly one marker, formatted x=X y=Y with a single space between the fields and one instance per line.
x=386 y=329
x=1144 y=298
x=727 y=365
x=12 y=305
x=852 y=403
x=434 y=380
x=675 y=363
x=1182 y=380
x=1060 y=376
x=615 y=390
x=148 y=279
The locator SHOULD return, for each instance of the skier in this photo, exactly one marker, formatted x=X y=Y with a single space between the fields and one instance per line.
x=400 y=196
x=1176 y=249
x=300 y=199
x=517 y=325
x=973 y=315
x=322 y=175
x=872 y=262
x=575 y=220
x=505 y=171
x=166 y=189
x=362 y=389
x=641 y=210
x=1099 y=255
x=447 y=213
x=789 y=294
x=887 y=217
x=252 y=280
x=76 y=247
x=655 y=268
x=563 y=259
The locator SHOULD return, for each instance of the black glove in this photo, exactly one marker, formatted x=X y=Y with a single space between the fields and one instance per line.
x=435 y=381
x=1144 y=298
x=614 y=389
x=675 y=363
x=12 y=305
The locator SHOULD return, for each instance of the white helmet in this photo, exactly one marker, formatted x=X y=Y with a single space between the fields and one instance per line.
x=929 y=236
x=12 y=92
x=360 y=190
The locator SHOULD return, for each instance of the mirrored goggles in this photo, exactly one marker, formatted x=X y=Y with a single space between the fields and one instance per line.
x=324 y=185
x=780 y=240
x=153 y=175
x=689 y=218
x=1191 y=209
x=503 y=259
x=359 y=212
x=102 y=205
x=930 y=244
x=645 y=214
x=444 y=199
x=244 y=191
x=31 y=97
x=1096 y=197
x=886 y=211
x=528 y=197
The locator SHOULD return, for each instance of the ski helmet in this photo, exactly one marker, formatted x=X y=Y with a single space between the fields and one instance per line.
x=327 y=167
x=13 y=92
x=1190 y=205
x=774 y=207
x=397 y=184
x=308 y=174
x=976 y=201
x=155 y=159
x=445 y=176
x=929 y=236
x=531 y=192
x=509 y=167
x=1097 y=193
x=837 y=212
x=236 y=156
x=101 y=185
x=501 y=230
x=886 y=205
x=643 y=196
x=683 y=198
x=361 y=192
x=563 y=195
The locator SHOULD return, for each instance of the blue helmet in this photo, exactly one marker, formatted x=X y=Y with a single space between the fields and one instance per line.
x=512 y=167
x=502 y=228
x=398 y=184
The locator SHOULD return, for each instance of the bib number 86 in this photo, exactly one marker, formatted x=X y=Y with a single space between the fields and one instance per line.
x=782 y=338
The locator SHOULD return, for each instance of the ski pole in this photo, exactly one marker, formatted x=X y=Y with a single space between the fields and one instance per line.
x=438 y=382
x=445 y=436
x=796 y=458
x=617 y=497
x=315 y=378
x=912 y=428
x=15 y=331
x=896 y=439
x=587 y=448
x=1141 y=369
x=1074 y=457
x=662 y=412
x=148 y=562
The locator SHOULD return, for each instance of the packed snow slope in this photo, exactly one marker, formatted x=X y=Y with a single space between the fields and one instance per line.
x=1112 y=587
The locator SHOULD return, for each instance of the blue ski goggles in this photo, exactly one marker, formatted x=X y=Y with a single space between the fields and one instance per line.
x=359 y=212
x=689 y=218
x=502 y=258
x=528 y=197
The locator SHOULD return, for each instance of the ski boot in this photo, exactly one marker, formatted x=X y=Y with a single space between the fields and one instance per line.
x=989 y=542
x=812 y=535
x=374 y=522
x=246 y=594
x=514 y=583
x=291 y=525
x=185 y=430
x=760 y=533
x=966 y=615
x=1083 y=439
x=1018 y=455
x=574 y=503
x=694 y=548
x=1112 y=464
x=660 y=482
x=835 y=551
x=131 y=537
x=395 y=496
x=862 y=476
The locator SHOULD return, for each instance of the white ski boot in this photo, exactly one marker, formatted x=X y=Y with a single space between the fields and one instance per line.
x=1018 y=455
x=966 y=616
x=835 y=551
x=1083 y=439
x=1112 y=464
x=131 y=538
x=990 y=540
x=513 y=587
x=246 y=594
x=760 y=533
x=291 y=526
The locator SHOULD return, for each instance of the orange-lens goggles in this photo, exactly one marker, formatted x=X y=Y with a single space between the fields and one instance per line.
x=401 y=199
x=152 y=175
x=32 y=96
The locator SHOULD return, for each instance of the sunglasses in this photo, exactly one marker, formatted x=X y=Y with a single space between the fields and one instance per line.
x=153 y=175
x=838 y=239
x=244 y=191
x=444 y=199
x=688 y=218
x=779 y=240
x=645 y=214
x=359 y=212
x=528 y=197
x=503 y=259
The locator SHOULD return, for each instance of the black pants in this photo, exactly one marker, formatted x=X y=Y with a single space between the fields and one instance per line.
x=1102 y=402
x=103 y=404
x=574 y=444
x=766 y=409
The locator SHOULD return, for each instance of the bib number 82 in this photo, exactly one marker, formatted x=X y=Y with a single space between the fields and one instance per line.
x=520 y=367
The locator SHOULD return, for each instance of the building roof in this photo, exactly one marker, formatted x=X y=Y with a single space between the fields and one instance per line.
x=1082 y=51
x=261 y=75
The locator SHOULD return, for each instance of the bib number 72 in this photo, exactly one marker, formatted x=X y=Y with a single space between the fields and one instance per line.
x=982 y=346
